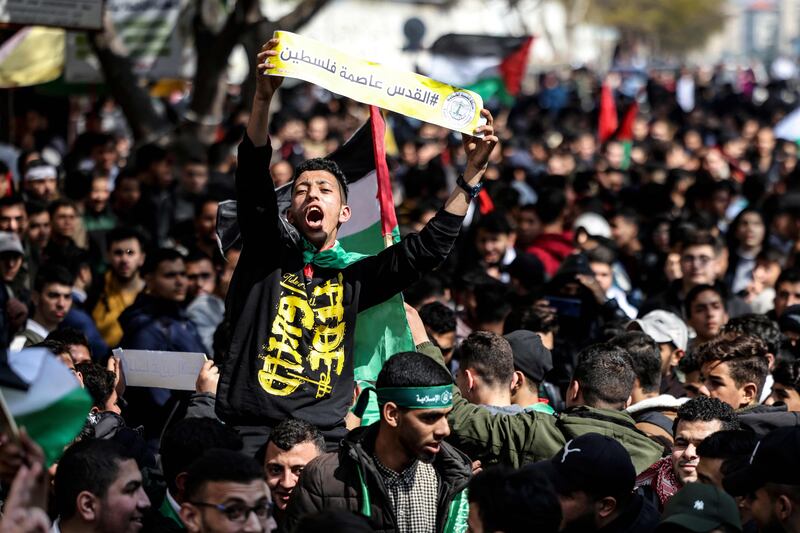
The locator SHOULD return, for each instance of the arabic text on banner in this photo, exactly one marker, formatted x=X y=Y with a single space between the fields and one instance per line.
x=406 y=93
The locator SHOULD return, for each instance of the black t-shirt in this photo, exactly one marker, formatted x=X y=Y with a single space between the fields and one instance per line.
x=292 y=337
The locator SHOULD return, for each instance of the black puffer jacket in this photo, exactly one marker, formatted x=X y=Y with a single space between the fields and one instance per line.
x=337 y=481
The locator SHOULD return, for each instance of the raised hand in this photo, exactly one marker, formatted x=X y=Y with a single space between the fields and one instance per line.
x=479 y=149
x=266 y=85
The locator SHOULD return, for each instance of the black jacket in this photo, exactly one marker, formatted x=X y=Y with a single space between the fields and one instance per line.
x=292 y=336
x=334 y=482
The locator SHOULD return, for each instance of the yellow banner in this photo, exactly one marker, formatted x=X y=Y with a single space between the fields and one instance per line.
x=371 y=83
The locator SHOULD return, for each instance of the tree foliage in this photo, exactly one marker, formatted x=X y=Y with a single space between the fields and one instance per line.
x=668 y=26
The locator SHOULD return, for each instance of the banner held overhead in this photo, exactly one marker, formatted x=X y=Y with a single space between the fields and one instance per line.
x=406 y=93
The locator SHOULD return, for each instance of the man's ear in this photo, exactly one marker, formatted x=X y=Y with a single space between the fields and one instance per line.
x=784 y=508
x=676 y=357
x=771 y=361
x=391 y=413
x=190 y=516
x=573 y=391
x=517 y=382
x=344 y=214
x=469 y=375
x=749 y=393
x=180 y=484
x=87 y=505
x=35 y=298
x=605 y=506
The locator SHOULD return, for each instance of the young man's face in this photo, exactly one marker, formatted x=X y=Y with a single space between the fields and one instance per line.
x=783 y=394
x=623 y=230
x=707 y=314
x=698 y=264
x=787 y=293
x=446 y=342
x=762 y=508
x=694 y=386
x=709 y=471
x=10 y=263
x=14 y=219
x=603 y=275
x=123 y=506
x=39 y=229
x=53 y=303
x=236 y=501
x=205 y=222
x=44 y=190
x=194 y=178
x=421 y=432
x=717 y=379
x=98 y=196
x=125 y=258
x=578 y=511
x=689 y=435
x=317 y=209
x=492 y=246
x=201 y=278
x=282 y=469
x=528 y=226
x=64 y=220
x=168 y=282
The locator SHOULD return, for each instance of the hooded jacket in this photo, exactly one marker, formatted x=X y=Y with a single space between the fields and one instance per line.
x=349 y=480
x=654 y=416
x=551 y=249
x=293 y=327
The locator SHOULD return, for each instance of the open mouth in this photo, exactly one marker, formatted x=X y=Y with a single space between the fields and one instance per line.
x=314 y=216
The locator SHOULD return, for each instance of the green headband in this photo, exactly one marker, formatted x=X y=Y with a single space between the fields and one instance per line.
x=439 y=397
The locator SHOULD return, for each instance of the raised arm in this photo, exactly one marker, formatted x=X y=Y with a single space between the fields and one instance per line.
x=397 y=267
x=266 y=85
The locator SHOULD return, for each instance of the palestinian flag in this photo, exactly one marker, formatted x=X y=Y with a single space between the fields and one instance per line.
x=381 y=331
x=54 y=407
x=492 y=66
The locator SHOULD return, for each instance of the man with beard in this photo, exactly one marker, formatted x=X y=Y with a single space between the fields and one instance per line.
x=697 y=419
x=98 y=488
x=121 y=283
x=398 y=472
x=593 y=477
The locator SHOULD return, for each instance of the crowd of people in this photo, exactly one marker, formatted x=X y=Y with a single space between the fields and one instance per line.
x=606 y=334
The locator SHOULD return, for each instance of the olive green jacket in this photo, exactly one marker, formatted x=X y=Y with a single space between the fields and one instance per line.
x=518 y=439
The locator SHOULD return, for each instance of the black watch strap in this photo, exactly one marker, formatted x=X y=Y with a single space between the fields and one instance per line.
x=471 y=191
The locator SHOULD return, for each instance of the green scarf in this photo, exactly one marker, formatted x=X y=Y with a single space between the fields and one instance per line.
x=334 y=257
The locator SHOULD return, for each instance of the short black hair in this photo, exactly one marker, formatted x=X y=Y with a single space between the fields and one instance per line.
x=219 y=464
x=412 y=369
x=51 y=273
x=705 y=409
x=645 y=358
x=327 y=165
x=788 y=275
x=186 y=441
x=438 y=317
x=34 y=207
x=89 y=465
x=495 y=223
x=293 y=431
x=689 y=363
x=787 y=373
x=605 y=375
x=492 y=301
x=149 y=154
x=515 y=501
x=69 y=336
x=123 y=234
x=55 y=205
x=759 y=326
x=15 y=200
x=728 y=443
x=98 y=382
x=195 y=256
x=531 y=317
x=490 y=355
x=156 y=257
x=55 y=347
x=695 y=291
x=551 y=204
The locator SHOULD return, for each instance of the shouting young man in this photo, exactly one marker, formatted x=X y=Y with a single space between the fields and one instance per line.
x=294 y=297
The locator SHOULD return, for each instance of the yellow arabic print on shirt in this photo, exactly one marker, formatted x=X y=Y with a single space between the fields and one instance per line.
x=406 y=93
x=285 y=368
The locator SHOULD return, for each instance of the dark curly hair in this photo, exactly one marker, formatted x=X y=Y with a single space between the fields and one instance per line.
x=756 y=326
x=787 y=373
x=746 y=357
x=327 y=165
x=705 y=409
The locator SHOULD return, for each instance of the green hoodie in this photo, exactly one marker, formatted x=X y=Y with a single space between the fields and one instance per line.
x=522 y=438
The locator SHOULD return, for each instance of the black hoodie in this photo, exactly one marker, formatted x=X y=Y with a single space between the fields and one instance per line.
x=292 y=336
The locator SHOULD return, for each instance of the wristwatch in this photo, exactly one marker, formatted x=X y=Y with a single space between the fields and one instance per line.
x=471 y=191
